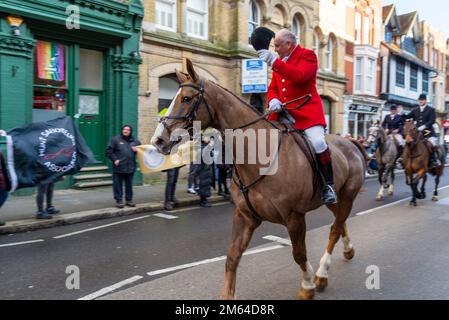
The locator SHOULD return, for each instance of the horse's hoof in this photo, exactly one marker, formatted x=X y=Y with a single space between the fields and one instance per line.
x=350 y=254
x=414 y=204
x=434 y=198
x=304 y=294
x=320 y=283
x=379 y=198
x=226 y=297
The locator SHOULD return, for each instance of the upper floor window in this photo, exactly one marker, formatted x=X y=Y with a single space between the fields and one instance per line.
x=400 y=73
x=253 y=17
x=414 y=77
x=370 y=73
x=425 y=81
x=330 y=54
x=358 y=28
x=366 y=30
x=316 y=43
x=358 y=74
x=388 y=35
x=166 y=14
x=197 y=18
x=297 y=29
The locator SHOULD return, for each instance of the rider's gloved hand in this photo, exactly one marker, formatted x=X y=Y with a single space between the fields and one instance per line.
x=267 y=56
x=275 y=105
x=422 y=128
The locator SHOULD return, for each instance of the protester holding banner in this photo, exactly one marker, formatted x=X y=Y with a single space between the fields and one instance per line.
x=122 y=150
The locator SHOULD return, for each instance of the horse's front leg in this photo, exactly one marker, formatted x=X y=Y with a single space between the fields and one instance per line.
x=414 y=187
x=437 y=182
x=381 y=192
x=423 y=187
x=296 y=226
x=243 y=227
x=391 y=188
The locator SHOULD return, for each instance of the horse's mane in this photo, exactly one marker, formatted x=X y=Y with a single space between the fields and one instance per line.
x=237 y=97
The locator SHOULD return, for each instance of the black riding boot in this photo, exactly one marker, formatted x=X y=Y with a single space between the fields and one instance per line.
x=325 y=164
x=436 y=157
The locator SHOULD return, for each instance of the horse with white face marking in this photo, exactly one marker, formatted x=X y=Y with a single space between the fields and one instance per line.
x=283 y=197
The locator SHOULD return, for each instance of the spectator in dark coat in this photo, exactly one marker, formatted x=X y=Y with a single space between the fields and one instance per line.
x=205 y=177
x=170 y=188
x=122 y=150
x=5 y=183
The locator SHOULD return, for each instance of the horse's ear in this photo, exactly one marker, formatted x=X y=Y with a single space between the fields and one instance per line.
x=191 y=71
x=181 y=76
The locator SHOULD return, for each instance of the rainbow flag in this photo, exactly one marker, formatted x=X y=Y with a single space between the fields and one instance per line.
x=50 y=61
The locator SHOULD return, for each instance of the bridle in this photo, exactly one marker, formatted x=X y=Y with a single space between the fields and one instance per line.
x=190 y=117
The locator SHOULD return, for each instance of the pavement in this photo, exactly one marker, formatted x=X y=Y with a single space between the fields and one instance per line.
x=86 y=205
x=406 y=247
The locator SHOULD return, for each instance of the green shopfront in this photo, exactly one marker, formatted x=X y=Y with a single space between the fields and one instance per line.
x=71 y=57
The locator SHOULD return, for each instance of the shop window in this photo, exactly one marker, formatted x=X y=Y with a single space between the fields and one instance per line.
x=50 y=88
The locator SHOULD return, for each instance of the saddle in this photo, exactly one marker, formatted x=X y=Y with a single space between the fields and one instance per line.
x=306 y=147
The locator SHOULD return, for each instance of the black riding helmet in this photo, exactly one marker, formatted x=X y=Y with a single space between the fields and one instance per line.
x=261 y=38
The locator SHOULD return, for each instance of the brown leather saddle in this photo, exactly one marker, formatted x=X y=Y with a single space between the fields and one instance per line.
x=306 y=147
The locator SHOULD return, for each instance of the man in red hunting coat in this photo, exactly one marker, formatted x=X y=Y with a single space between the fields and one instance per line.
x=294 y=75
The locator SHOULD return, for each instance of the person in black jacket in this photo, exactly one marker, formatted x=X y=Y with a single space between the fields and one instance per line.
x=5 y=183
x=425 y=117
x=393 y=124
x=122 y=150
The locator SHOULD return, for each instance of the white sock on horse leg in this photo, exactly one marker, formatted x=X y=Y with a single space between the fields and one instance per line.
x=307 y=278
x=347 y=245
x=325 y=264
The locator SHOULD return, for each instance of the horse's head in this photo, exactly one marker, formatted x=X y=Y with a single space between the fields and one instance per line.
x=410 y=132
x=189 y=105
x=374 y=133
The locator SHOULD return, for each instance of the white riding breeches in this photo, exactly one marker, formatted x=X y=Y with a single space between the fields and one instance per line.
x=433 y=141
x=316 y=137
x=399 y=139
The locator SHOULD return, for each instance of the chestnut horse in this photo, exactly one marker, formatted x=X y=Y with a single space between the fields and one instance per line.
x=416 y=159
x=284 y=197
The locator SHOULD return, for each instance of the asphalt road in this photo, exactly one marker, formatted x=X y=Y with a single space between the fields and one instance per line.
x=110 y=251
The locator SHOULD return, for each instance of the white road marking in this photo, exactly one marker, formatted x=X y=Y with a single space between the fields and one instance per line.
x=278 y=240
x=100 y=227
x=198 y=208
x=165 y=216
x=197 y=263
x=20 y=243
x=109 y=289
x=390 y=204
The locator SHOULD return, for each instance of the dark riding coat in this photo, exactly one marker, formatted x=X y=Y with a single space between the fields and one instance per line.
x=393 y=124
x=426 y=118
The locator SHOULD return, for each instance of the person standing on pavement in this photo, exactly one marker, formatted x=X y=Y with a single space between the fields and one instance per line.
x=45 y=190
x=172 y=178
x=122 y=150
x=5 y=183
x=205 y=177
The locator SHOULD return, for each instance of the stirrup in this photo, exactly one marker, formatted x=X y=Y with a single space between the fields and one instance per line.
x=331 y=195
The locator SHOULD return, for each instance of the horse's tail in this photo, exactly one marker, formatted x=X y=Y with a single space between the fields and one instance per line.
x=361 y=149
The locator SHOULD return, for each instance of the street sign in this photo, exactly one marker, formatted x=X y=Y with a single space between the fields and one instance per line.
x=254 y=76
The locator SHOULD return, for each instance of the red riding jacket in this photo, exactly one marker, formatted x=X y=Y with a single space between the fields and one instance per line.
x=296 y=78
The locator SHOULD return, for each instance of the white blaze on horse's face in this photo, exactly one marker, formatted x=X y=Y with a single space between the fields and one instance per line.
x=160 y=130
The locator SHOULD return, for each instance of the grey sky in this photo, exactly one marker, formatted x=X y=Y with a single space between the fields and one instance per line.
x=434 y=11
